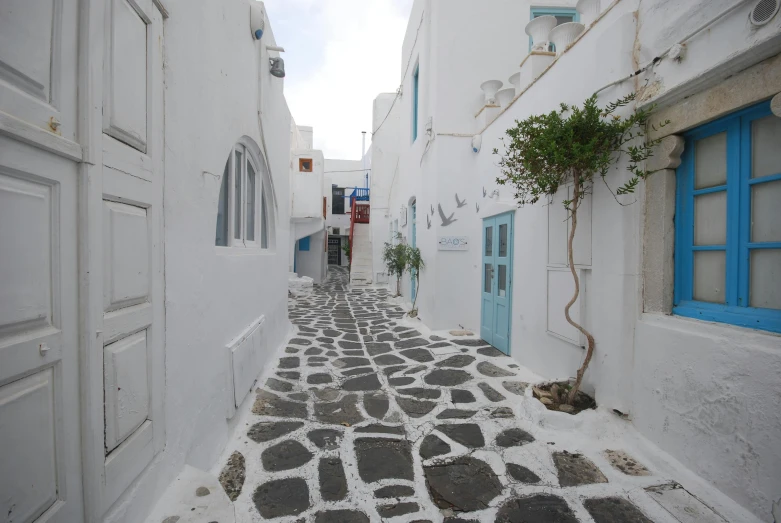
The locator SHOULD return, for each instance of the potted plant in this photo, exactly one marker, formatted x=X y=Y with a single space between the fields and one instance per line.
x=414 y=265
x=394 y=255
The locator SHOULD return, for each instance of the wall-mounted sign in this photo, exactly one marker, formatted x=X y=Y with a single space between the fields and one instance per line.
x=453 y=243
x=403 y=215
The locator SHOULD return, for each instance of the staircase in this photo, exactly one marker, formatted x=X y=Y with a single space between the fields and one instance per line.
x=360 y=246
x=361 y=268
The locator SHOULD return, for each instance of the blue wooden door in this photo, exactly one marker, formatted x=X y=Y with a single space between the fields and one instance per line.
x=413 y=243
x=496 y=309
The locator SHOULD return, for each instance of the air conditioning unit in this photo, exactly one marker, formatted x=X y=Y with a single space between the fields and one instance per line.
x=336 y=231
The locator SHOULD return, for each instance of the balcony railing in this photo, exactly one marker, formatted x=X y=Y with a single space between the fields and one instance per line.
x=359 y=194
x=358 y=214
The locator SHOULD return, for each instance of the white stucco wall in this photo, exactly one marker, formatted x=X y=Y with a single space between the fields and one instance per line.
x=306 y=134
x=213 y=84
x=345 y=174
x=313 y=262
x=385 y=173
x=706 y=393
x=306 y=194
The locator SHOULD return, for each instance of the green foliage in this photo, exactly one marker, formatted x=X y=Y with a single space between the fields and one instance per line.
x=346 y=249
x=394 y=255
x=546 y=151
x=400 y=257
x=574 y=144
x=414 y=260
x=414 y=265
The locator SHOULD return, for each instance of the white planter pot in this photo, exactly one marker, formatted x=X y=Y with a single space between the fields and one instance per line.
x=515 y=81
x=563 y=35
x=489 y=89
x=505 y=96
x=538 y=28
x=589 y=10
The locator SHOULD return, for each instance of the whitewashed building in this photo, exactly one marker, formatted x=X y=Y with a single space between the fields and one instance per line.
x=694 y=361
x=321 y=204
x=145 y=220
x=342 y=182
x=307 y=200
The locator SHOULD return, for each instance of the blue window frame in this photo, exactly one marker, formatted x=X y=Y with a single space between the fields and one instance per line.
x=303 y=244
x=728 y=223
x=415 y=85
x=562 y=14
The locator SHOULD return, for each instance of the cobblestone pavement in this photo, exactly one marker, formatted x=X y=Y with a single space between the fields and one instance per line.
x=366 y=419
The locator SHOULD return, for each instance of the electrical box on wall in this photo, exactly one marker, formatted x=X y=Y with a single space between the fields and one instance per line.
x=243 y=354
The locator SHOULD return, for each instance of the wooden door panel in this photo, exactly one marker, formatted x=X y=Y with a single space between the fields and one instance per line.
x=28 y=29
x=38 y=337
x=126 y=412
x=28 y=463
x=502 y=283
x=496 y=281
x=126 y=255
x=487 y=281
x=38 y=61
x=26 y=254
x=127 y=387
x=125 y=110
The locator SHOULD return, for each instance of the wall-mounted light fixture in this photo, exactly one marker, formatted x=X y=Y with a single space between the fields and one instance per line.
x=277 y=67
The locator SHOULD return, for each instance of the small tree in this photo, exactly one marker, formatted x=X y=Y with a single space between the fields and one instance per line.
x=414 y=265
x=395 y=257
x=346 y=249
x=571 y=145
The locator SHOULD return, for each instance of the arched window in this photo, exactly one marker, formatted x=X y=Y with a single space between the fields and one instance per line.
x=242 y=210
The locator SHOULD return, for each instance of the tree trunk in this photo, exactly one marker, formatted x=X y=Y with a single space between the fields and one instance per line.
x=590 y=350
x=417 y=290
x=398 y=285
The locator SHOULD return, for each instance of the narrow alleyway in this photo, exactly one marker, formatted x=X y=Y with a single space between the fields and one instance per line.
x=364 y=419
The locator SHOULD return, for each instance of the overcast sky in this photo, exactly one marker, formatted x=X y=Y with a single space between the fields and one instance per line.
x=339 y=55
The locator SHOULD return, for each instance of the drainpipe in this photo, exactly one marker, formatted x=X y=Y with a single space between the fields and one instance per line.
x=363 y=159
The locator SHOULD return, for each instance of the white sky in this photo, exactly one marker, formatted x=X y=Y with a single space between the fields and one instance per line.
x=339 y=55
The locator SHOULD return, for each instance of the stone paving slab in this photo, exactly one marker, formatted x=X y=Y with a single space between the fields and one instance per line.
x=365 y=418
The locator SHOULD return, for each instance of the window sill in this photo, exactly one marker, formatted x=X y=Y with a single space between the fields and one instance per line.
x=750 y=318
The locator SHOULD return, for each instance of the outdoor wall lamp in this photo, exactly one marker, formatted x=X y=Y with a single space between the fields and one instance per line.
x=277 y=67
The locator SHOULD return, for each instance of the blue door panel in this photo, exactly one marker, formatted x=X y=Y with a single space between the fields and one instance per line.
x=496 y=280
x=486 y=292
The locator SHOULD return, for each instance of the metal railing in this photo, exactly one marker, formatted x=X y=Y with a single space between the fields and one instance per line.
x=359 y=194
x=359 y=213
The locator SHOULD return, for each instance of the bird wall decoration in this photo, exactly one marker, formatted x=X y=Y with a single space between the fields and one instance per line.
x=428 y=221
x=459 y=203
x=445 y=220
